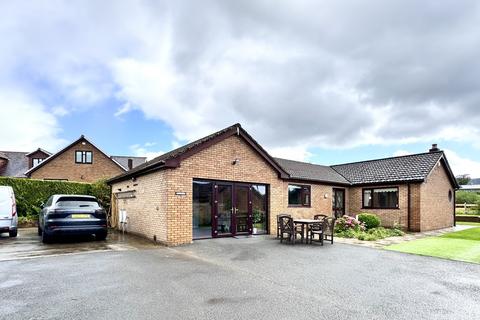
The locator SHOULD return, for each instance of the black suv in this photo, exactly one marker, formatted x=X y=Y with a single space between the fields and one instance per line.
x=72 y=215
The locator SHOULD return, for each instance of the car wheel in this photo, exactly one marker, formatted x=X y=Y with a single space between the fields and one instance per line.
x=13 y=233
x=46 y=238
x=100 y=236
x=39 y=231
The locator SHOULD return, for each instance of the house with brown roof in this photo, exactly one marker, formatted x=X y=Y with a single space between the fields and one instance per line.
x=226 y=185
x=80 y=161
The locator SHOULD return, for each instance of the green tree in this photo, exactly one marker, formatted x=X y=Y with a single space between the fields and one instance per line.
x=463 y=179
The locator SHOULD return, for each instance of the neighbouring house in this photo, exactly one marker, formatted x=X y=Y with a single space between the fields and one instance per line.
x=16 y=163
x=80 y=161
x=470 y=187
x=226 y=184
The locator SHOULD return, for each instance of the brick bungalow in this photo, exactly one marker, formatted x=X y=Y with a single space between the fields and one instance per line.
x=226 y=184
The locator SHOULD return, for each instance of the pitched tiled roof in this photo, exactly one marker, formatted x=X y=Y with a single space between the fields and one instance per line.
x=41 y=150
x=161 y=160
x=123 y=161
x=312 y=172
x=415 y=167
x=17 y=164
x=389 y=170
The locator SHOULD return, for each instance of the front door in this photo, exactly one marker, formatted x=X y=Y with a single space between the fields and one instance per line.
x=233 y=210
x=338 y=202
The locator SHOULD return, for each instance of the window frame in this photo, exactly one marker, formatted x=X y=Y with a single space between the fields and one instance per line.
x=84 y=157
x=302 y=195
x=371 y=189
x=39 y=160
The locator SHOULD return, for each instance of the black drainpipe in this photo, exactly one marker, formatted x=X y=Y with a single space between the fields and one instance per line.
x=408 y=207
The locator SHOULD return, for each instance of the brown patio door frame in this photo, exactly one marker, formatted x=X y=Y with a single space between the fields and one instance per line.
x=335 y=206
x=234 y=188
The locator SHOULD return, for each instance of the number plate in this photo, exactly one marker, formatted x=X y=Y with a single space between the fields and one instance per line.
x=80 y=216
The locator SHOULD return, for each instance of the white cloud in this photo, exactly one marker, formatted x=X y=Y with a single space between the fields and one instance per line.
x=139 y=150
x=60 y=111
x=399 y=153
x=293 y=153
x=125 y=108
x=462 y=165
x=26 y=124
x=297 y=76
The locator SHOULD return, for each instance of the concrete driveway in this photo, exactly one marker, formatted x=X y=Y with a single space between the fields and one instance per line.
x=29 y=245
x=249 y=278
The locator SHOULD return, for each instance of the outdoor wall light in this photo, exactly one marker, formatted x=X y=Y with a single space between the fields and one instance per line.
x=325 y=195
x=234 y=162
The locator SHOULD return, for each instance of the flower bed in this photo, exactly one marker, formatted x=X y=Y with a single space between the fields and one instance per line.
x=349 y=227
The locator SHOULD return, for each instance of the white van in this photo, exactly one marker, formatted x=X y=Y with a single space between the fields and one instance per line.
x=8 y=211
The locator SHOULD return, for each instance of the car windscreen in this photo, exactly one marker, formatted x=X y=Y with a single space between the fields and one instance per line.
x=76 y=202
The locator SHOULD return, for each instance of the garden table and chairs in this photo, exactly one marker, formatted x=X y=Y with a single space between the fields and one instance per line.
x=320 y=226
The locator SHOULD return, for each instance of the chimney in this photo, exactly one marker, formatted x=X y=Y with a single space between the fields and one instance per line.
x=130 y=164
x=434 y=148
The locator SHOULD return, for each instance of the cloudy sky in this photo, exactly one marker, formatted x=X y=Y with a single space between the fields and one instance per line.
x=322 y=81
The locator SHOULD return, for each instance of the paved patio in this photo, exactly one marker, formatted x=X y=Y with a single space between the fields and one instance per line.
x=379 y=244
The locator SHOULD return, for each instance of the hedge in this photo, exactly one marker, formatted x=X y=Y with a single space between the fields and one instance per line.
x=30 y=194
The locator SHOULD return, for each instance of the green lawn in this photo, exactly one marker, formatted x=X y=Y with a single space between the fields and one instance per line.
x=461 y=245
x=477 y=224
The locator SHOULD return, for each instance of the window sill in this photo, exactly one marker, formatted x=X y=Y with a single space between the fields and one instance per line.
x=298 y=206
x=370 y=208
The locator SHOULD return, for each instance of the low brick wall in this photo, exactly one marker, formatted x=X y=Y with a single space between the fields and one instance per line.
x=468 y=218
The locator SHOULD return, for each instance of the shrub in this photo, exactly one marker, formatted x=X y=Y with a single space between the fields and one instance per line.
x=30 y=194
x=349 y=233
x=346 y=223
x=371 y=234
x=467 y=197
x=369 y=220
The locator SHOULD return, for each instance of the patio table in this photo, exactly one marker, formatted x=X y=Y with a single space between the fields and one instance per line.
x=303 y=223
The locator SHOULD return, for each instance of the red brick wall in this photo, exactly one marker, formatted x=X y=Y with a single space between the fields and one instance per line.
x=389 y=217
x=436 y=207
